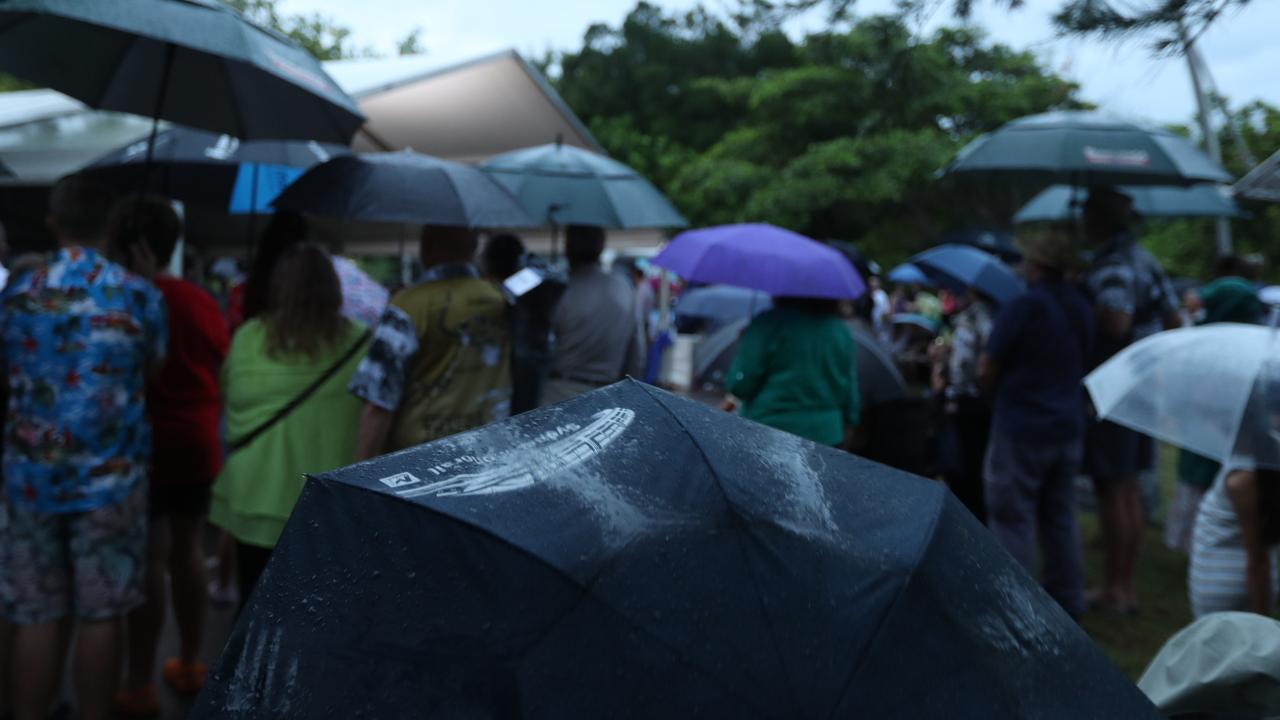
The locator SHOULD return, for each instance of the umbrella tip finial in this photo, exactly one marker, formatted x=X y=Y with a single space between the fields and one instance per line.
x=559 y=140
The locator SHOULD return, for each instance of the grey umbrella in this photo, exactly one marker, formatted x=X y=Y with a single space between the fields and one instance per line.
x=879 y=380
x=193 y=62
x=404 y=187
x=1084 y=148
x=566 y=185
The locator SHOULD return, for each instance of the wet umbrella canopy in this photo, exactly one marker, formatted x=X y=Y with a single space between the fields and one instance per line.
x=1084 y=148
x=962 y=266
x=1062 y=202
x=212 y=170
x=758 y=256
x=571 y=186
x=404 y=187
x=194 y=62
x=632 y=554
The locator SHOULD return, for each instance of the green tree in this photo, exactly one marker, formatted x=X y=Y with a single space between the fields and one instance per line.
x=411 y=44
x=837 y=135
x=314 y=33
x=1166 y=19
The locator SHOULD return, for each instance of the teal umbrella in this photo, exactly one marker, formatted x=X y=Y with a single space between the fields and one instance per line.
x=565 y=185
x=193 y=62
x=1084 y=149
x=1062 y=202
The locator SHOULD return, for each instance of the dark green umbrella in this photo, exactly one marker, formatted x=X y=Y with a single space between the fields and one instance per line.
x=193 y=62
x=564 y=185
x=1061 y=202
x=1084 y=149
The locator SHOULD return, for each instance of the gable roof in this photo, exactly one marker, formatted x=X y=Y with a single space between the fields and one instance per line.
x=460 y=111
x=1261 y=183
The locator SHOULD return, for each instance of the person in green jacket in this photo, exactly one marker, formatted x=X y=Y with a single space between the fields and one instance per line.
x=795 y=371
x=273 y=359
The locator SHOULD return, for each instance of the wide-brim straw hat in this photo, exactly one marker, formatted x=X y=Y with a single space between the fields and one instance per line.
x=1052 y=247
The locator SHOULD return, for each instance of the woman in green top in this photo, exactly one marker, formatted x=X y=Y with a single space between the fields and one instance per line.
x=273 y=359
x=795 y=370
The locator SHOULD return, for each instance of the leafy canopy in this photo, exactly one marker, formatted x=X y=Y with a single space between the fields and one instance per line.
x=838 y=134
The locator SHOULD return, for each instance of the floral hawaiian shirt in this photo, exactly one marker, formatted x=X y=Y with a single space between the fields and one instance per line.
x=78 y=335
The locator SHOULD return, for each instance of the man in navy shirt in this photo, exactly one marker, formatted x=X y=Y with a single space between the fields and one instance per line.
x=1035 y=361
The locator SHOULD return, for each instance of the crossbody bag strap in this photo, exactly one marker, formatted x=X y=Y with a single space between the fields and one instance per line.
x=243 y=441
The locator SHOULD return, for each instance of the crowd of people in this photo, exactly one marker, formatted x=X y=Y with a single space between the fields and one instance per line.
x=139 y=406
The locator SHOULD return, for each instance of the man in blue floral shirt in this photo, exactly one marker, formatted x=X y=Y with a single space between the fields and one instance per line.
x=78 y=336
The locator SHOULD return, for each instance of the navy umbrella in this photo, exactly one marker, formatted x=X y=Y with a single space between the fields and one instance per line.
x=961 y=266
x=404 y=187
x=211 y=170
x=194 y=62
x=1062 y=202
x=631 y=554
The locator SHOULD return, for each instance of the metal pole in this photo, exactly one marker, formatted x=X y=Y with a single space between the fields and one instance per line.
x=1222 y=226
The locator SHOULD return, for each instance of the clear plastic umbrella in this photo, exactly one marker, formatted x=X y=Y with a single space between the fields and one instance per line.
x=1214 y=390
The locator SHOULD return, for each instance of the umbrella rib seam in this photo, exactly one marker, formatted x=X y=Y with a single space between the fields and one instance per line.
x=583 y=588
x=902 y=591
x=746 y=557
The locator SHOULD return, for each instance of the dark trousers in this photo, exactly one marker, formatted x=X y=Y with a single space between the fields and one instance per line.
x=971 y=423
x=1031 y=495
x=251 y=560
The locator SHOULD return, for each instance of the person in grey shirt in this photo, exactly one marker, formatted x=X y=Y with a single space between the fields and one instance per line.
x=599 y=338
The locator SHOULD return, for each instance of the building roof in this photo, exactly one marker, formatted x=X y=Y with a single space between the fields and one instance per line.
x=461 y=111
x=1262 y=183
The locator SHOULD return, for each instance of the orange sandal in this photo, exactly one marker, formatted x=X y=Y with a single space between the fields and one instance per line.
x=185 y=679
x=138 y=703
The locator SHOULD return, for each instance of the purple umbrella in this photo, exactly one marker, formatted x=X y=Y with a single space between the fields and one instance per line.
x=762 y=257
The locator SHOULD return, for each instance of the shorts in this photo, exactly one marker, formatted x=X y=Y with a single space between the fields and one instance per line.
x=1114 y=454
x=90 y=564
x=186 y=500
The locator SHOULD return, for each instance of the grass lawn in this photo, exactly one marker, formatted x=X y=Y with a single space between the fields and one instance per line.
x=1162 y=591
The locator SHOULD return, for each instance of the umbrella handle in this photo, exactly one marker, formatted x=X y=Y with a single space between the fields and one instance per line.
x=155 y=117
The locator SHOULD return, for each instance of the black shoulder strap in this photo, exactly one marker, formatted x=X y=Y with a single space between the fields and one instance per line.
x=243 y=441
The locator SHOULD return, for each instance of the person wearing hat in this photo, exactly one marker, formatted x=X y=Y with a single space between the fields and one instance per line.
x=1034 y=363
x=1133 y=299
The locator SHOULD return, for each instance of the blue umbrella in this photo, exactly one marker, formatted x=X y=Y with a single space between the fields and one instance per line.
x=908 y=274
x=564 y=185
x=211 y=170
x=1061 y=203
x=915 y=320
x=968 y=267
x=996 y=242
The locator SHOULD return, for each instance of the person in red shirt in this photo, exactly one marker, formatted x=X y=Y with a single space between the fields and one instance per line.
x=184 y=406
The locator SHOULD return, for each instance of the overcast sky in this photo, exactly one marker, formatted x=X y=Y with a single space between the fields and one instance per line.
x=1240 y=48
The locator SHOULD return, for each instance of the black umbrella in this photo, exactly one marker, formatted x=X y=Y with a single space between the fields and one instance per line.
x=879 y=380
x=404 y=187
x=212 y=170
x=632 y=554
x=193 y=62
